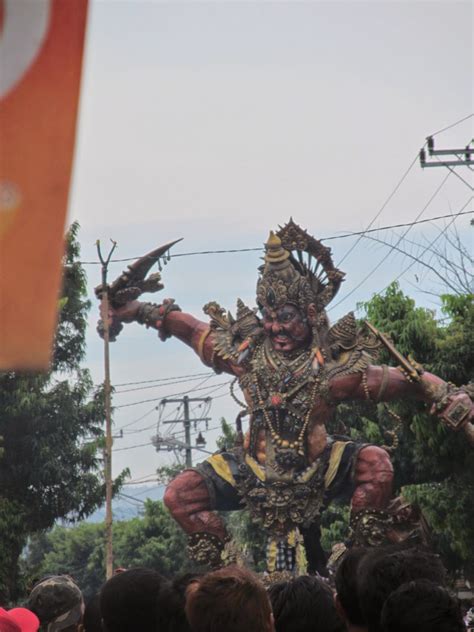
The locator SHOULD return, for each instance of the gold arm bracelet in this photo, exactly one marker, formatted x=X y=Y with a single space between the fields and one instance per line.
x=383 y=384
x=200 y=345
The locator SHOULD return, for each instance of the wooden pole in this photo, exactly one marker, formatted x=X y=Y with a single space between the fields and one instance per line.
x=104 y=308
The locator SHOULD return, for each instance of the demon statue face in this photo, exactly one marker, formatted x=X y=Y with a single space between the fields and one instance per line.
x=287 y=328
x=292 y=293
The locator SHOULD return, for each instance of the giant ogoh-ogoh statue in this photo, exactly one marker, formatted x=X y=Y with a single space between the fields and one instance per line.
x=293 y=369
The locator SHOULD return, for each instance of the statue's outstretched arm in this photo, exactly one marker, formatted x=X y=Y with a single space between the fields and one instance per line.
x=168 y=319
x=453 y=406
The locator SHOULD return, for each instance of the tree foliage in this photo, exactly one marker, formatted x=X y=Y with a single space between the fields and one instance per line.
x=50 y=426
x=153 y=540
x=433 y=466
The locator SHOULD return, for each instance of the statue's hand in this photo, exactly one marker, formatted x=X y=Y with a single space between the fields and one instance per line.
x=116 y=316
x=456 y=411
x=125 y=313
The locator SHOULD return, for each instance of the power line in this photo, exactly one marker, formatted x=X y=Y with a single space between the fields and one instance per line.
x=452 y=125
x=131 y=447
x=144 y=388
x=125 y=496
x=398 y=185
x=139 y=479
x=374 y=269
x=163 y=379
x=155 y=399
x=140 y=419
x=135 y=421
x=259 y=249
x=145 y=482
x=453 y=171
x=454 y=218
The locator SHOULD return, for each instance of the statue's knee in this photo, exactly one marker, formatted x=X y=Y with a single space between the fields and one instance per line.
x=170 y=496
x=186 y=494
x=374 y=464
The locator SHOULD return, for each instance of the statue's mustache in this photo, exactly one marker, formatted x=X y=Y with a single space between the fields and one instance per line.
x=284 y=334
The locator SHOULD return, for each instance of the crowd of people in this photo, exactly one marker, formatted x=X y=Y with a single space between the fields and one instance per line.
x=376 y=590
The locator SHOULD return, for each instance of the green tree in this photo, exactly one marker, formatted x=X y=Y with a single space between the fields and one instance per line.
x=433 y=466
x=153 y=540
x=51 y=426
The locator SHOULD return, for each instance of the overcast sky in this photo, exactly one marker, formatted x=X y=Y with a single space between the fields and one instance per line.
x=217 y=121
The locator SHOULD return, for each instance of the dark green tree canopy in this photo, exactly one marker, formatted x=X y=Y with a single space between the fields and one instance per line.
x=51 y=428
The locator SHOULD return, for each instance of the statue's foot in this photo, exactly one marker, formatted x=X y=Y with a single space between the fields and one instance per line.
x=401 y=522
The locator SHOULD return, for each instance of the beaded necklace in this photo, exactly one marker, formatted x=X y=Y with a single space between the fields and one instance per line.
x=274 y=380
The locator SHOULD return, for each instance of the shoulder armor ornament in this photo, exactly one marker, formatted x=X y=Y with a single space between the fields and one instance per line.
x=351 y=348
x=234 y=338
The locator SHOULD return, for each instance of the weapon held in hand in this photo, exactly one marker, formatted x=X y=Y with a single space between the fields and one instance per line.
x=132 y=283
x=457 y=417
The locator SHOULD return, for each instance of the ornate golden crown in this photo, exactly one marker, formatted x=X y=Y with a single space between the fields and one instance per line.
x=286 y=278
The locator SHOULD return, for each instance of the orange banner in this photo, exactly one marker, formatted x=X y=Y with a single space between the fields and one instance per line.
x=41 y=45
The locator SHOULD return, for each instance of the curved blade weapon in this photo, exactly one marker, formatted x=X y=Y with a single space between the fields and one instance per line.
x=133 y=282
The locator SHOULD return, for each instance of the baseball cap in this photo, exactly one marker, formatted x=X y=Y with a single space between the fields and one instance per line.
x=58 y=602
x=18 y=620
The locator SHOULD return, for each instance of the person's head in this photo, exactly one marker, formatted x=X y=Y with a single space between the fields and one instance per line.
x=382 y=572
x=346 y=580
x=18 y=620
x=304 y=604
x=92 y=620
x=231 y=599
x=172 y=601
x=58 y=603
x=421 y=606
x=130 y=601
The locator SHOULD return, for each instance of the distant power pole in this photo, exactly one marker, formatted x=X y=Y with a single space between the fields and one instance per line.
x=160 y=442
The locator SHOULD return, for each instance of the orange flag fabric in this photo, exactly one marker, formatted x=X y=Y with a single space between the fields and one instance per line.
x=41 y=46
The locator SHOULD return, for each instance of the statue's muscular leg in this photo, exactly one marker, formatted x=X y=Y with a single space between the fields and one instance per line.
x=373 y=477
x=376 y=518
x=188 y=501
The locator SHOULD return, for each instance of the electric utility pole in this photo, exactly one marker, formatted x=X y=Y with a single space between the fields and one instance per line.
x=186 y=420
x=461 y=157
x=104 y=309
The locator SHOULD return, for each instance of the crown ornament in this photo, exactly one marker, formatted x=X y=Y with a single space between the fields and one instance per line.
x=287 y=278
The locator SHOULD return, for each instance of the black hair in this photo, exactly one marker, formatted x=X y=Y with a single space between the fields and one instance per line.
x=382 y=572
x=421 y=606
x=346 y=580
x=92 y=619
x=304 y=604
x=131 y=600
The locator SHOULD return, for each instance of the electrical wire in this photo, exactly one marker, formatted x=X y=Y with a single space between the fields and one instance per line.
x=259 y=249
x=135 y=421
x=131 y=447
x=430 y=245
x=452 y=125
x=384 y=258
x=144 y=388
x=161 y=379
x=380 y=211
x=125 y=496
x=144 y=401
x=139 y=479
x=454 y=172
